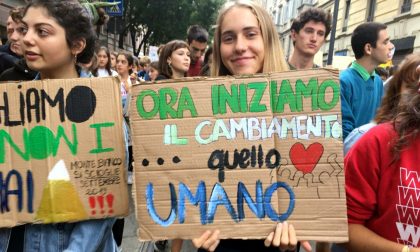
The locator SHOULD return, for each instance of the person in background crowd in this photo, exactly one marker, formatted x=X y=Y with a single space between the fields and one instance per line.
x=20 y=70
x=246 y=42
x=124 y=67
x=174 y=62
x=135 y=69
x=397 y=88
x=53 y=43
x=125 y=63
x=382 y=173
x=361 y=87
x=144 y=68
x=197 y=38
x=12 y=51
x=90 y=66
x=104 y=63
x=160 y=49
x=205 y=70
x=113 y=56
x=308 y=32
x=154 y=70
x=382 y=72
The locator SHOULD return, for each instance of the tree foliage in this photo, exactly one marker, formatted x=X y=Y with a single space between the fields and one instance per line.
x=159 y=21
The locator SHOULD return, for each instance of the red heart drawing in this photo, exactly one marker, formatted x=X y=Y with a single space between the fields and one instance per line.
x=305 y=159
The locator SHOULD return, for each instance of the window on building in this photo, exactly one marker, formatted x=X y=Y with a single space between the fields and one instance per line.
x=371 y=10
x=284 y=13
x=341 y=53
x=279 y=15
x=346 y=15
x=294 y=9
x=289 y=10
x=405 y=6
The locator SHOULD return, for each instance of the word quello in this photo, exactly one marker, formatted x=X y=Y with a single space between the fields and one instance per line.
x=241 y=98
x=261 y=207
x=219 y=159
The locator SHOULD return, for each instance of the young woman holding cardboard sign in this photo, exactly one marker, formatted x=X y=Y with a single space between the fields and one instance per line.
x=54 y=42
x=246 y=42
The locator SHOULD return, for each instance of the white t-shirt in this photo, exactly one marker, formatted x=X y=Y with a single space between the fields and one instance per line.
x=102 y=72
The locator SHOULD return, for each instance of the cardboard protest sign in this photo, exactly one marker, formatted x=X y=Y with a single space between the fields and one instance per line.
x=62 y=153
x=240 y=155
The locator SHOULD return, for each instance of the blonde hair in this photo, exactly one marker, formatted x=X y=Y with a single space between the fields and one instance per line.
x=274 y=60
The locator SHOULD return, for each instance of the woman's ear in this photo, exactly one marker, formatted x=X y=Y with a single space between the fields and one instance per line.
x=78 y=46
x=169 y=60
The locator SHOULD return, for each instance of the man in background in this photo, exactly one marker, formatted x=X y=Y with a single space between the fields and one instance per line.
x=197 y=38
x=361 y=87
x=308 y=32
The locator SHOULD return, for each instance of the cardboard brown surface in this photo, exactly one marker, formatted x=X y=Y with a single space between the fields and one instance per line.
x=281 y=137
x=61 y=151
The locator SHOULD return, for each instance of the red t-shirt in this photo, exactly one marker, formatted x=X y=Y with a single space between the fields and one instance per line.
x=381 y=195
x=195 y=69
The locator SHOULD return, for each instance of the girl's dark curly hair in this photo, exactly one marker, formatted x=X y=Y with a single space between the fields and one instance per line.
x=74 y=19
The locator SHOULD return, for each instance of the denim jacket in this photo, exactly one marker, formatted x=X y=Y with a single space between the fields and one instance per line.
x=90 y=235
x=86 y=236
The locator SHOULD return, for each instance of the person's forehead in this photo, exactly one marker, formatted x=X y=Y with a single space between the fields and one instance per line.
x=10 y=21
x=199 y=45
x=237 y=19
x=383 y=34
x=315 y=25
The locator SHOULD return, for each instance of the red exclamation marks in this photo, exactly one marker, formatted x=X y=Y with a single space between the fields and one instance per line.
x=92 y=203
x=110 y=201
x=101 y=203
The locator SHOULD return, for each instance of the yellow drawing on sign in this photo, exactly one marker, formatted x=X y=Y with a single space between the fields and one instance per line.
x=60 y=201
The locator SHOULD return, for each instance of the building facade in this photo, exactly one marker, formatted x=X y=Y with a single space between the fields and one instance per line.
x=401 y=17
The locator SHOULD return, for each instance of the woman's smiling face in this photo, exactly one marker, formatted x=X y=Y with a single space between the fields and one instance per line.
x=241 y=46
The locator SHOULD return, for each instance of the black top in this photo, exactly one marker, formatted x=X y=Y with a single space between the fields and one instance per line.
x=19 y=72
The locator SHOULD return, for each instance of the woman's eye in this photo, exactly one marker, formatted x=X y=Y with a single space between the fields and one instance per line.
x=227 y=39
x=43 y=33
x=251 y=34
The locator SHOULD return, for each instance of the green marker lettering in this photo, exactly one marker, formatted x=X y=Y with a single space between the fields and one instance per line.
x=186 y=103
x=24 y=154
x=97 y=127
x=286 y=96
x=140 y=104
x=310 y=90
x=215 y=99
x=321 y=94
x=255 y=104
x=231 y=99
x=166 y=107
x=72 y=145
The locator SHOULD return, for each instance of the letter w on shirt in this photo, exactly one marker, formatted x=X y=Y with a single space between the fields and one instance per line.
x=409 y=231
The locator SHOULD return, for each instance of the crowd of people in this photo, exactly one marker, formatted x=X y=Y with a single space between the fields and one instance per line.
x=380 y=128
